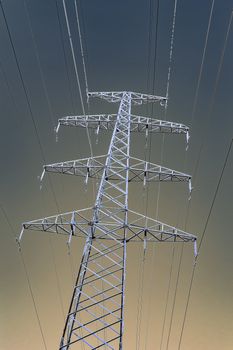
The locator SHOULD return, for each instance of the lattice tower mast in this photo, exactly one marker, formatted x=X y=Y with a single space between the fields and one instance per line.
x=96 y=313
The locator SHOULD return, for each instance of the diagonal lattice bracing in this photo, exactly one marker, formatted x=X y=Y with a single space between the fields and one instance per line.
x=96 y=314
x=78 y=223
x=137 y=123
x=136 y=98
x=139 y=170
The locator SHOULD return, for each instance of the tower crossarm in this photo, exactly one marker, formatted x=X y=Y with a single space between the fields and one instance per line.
x=139 y=170
x=136 y=98
x=137 y=123
x=74 y=223
x=78 y=223
x=142 y=227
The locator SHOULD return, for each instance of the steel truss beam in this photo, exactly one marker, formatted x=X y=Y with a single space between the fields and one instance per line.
x=78 y=223
x=137 y=123
x=139 y=170
x=96 y=313
x=136 y=98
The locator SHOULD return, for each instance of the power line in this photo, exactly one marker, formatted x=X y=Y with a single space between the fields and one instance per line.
x=215 y=89
x=81 y=45
x=140 y=301
x=27 y=97
x=51 y=114
x=35 y=127
x=76 y=71
x=170 y=55
x=4 y=76
x=202 y=237
x=163 y=138
x=27 y=278
x=167 y=296
x=174 y=298
x=154 y=73
x=202 y=64
x=22 y=81
x=161 y=156
x=210 y=107
x=64 y=54
x=193 y=115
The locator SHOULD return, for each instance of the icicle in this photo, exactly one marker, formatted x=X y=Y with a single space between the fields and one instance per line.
x=72 y=232
x=88 y=173
x=147 y=131
x=87 y=177
x=70 y=237
x=85 y=183
x=195 y=249
x=73 y=224
x=57 y=128
x=144 y=244
x=98 y=129
x=187 y=140
x=190 y=189
x=145 y=173
x=42 y=175
x=41 y=179
x=144 y=180
x=18 y=239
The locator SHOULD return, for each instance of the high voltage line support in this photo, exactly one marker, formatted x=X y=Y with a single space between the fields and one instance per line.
x=96 y=312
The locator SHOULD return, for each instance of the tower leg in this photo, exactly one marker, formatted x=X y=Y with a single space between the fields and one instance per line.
x=96 y=311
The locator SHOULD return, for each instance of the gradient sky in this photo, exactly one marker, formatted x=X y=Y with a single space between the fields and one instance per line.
x=116 y=41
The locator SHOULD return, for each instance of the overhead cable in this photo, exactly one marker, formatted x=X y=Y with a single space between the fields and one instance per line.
x=202 y=237
x=210 y=110
x=27 y=278
x=81 y=45
x=76 y=71
x=64 y=55
x=27 y=97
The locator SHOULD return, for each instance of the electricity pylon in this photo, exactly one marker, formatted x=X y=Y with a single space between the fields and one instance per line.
x=96 y=312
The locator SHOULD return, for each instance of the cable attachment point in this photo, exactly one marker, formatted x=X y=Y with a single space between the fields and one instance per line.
x=163 y=102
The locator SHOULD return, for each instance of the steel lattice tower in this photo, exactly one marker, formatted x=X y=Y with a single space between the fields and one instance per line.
x=96 y=312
